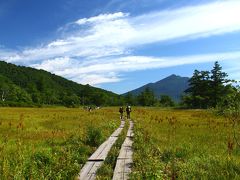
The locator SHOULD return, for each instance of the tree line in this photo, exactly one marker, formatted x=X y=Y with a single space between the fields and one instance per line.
x=23 y=86
x=148 y=98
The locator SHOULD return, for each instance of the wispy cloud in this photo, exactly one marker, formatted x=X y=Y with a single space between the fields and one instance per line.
x=109 y=70
x=96 y=50
x=189 y=22
x=101 y=18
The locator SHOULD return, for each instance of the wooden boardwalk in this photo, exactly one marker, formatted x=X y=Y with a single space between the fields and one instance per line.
x=88 y=172
x=124 y=161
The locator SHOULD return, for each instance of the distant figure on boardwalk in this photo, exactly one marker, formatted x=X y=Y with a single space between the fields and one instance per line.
x=128 y=110
x=89 y=108
x=121 y=112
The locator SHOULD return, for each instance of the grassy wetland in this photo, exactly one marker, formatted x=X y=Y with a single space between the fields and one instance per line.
x=50 y=143
x=184 y=144
x=54 y=143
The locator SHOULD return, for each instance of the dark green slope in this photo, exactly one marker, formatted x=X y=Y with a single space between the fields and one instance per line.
x=42 y=87
x=173 y=86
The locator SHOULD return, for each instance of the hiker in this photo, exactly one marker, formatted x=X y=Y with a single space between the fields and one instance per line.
x=128 y=110
x=121 y=112
x=89 y=108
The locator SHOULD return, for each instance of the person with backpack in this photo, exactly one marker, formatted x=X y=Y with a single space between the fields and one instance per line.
x=128 y=110
x=121 y=112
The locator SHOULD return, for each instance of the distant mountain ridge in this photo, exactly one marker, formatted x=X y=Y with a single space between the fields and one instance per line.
x=173 y=86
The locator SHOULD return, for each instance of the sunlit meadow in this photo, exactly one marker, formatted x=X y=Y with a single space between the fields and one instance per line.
x=184 y=144
x=50 y=143
x=54 y=143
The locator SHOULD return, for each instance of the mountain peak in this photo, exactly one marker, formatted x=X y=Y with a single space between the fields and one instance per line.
x=173 y=86
x=172 y=78
x=173 y=75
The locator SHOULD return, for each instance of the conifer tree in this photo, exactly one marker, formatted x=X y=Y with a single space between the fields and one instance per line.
x=218 y=80
x=207 y=88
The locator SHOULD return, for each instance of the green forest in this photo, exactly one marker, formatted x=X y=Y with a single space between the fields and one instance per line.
x=25 y=86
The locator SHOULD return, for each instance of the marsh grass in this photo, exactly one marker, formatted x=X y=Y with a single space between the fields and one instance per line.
x=183 y=144
x=50 y=143
x=54 y=143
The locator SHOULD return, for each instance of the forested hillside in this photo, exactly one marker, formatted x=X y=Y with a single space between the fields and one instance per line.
x=27 y=86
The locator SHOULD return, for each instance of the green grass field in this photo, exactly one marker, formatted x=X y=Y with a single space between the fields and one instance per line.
x=184 y=144
x=50 y=143
x=54 y=143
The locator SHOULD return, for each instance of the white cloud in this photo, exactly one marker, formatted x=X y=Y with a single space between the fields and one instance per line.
x=188 y=22
x=101 y=18
x=96 y=79
x=98 y=49
x=54 y=65
x=109 y=70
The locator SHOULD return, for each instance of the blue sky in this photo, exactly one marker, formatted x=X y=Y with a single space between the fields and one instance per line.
x=121 y=45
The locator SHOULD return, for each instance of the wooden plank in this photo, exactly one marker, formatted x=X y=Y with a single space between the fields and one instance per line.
x=117 y=132
x=96 y=154
x=126 y=149
x=130 y=134
x=130 y=130
x=122 y=169
x=122 y=124
x=128 y=142
x=103 y=150
x=101 y=154
x=124 y=161
x=88 y=172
